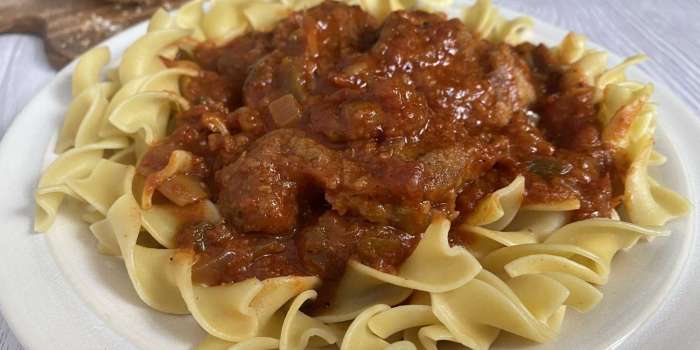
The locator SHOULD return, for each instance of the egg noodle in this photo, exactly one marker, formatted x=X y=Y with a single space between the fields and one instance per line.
x=525 y=268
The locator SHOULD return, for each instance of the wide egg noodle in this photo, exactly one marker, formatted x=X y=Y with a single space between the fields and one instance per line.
x=429 y=336
x=73 y=164
x=89 y=95
x=89 y=69
x=629 y=124
x=162 y=278
x=428 y=5
x=214 y=343
x=90 y=214
x=359 y=336
x=222 y=311
x=401 y=345
x=626 y=115
x=582 y=295
x=476 y=312
x=298 y=5
x=401 y=318
x=584 y=249
x=189 y=16
x=142 y=57
x=235 y=312
x=107 y=243
x=257 y=343
x=499 y=208
x=532 y=223
x=543 y=296
x=156 y=111
x=275 y=293
x=99 y=198
x=357 y=291
x=455 y=265
x=560 y=206
x=162 y=221
x=92 y=189
x=538 y=222
x=362 y=286
x=124 y=156
x=148 y=112
x=541 y=219
x=532 y=306
x=82 y=121
x=224 y=21
x=591 y=66
x=148 y=268
x=298 y=328
x=264 y=16
x=160 y=20
x=571 y=49
x=648 y=202
x=380 y=9
x=484 y=19
x=656 y=158
x=616 y=74
x=482 y=241
x=539 y=281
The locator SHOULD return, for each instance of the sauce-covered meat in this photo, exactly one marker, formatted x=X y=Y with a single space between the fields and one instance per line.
x=335 y=137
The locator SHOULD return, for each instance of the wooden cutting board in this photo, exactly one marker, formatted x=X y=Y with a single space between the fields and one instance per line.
x=70 y=27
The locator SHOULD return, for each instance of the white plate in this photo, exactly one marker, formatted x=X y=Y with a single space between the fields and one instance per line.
x=56 y=291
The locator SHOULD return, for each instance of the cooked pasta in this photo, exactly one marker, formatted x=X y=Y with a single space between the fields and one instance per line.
x=511 y=264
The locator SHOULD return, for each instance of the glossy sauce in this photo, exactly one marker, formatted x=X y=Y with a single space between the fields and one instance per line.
x=335 y=137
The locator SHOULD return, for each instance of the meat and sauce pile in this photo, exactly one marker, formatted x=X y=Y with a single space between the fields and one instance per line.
x=337 y=137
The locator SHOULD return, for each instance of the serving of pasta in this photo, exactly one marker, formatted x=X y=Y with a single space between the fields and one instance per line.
x=359 y=174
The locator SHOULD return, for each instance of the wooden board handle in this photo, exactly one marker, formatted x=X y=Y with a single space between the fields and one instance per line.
x=70 y=27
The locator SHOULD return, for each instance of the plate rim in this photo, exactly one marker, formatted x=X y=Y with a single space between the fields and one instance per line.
x=23 y=332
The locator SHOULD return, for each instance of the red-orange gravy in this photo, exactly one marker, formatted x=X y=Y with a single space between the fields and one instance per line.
x=343 y=137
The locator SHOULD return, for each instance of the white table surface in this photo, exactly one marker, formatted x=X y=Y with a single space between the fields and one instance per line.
x=667 y=31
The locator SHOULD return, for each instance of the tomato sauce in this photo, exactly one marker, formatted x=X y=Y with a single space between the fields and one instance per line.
x=336 y=137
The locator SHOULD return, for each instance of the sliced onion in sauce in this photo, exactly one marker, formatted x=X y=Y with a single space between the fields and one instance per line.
x=547 y=167
x=214 y=122
x=183 y=189
x=533 y=117
x=356 y=68
x=285 y=110
x=185 y=63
